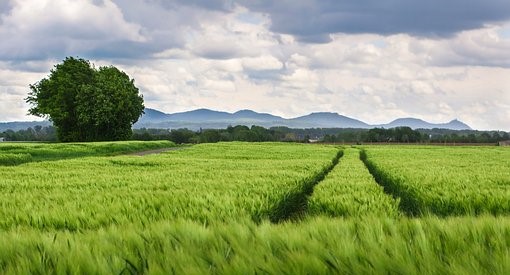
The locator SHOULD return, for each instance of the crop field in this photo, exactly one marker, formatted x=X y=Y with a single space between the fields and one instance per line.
x=350 y=190
x=445 y=181
x=221 y=182
x=249 y=208
x=18 y=153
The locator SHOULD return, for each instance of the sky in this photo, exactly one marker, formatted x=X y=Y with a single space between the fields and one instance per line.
x=373 y=60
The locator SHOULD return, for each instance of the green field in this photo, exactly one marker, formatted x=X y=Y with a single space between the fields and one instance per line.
x=246 y=208
x=18 y=153
x=445 y=181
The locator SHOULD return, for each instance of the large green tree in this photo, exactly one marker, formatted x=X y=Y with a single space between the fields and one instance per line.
x=85 y=103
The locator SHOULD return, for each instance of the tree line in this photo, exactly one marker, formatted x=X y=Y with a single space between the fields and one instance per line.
x=285 y=134
x=408 y=135
x=327 y=135
x=37 y=133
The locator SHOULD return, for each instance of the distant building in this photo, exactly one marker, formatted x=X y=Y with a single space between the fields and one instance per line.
x=504 y=143
x=2 y=139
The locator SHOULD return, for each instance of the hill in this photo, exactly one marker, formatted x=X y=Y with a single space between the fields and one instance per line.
x=205 y=118
x=210 y=119
x=22 y=125
x=328 y=120
x=420 y=124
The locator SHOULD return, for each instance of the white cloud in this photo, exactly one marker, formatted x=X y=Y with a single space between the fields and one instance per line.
x=14 y=88
x=485 y=47
x=45 y=28
x=231 y=36
x=260 y=63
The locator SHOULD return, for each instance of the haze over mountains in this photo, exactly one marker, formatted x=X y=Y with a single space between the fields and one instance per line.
x=205 y=118
x=209 y=119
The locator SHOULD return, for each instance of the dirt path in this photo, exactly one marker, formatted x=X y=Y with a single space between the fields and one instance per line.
x=155 y=151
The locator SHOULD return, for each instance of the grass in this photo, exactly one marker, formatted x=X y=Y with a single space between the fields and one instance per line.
x=444 y=180
x=228 y=208
x=15 y=159
x=209 y=182
x=18 y=153
x=351 y=191
x=315 y=246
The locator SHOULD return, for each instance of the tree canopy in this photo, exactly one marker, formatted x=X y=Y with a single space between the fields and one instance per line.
x=85 y=103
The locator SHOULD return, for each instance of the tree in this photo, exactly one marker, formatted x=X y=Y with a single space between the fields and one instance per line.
x=85 y=103
x=182 y=136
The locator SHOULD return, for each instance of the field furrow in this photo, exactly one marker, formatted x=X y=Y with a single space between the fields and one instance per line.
x=351 y=191
x=210 y=182
x=294 y=205
x=444 y=181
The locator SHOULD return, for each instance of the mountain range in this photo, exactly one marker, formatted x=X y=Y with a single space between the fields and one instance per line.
x=207 y=119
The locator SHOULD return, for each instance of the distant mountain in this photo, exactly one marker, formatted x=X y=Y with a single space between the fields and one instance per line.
x=22 y=125
x=151 y=115
x=209 y=119
x=249 y=114
x=420 y=124
x=455 y=125
x=328 y=120
x=200 y=115
x=205 y=118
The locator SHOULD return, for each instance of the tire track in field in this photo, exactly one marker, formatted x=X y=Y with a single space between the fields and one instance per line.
x=408 y=205
x=156 y=151
x=294 y=205
x=350 y=190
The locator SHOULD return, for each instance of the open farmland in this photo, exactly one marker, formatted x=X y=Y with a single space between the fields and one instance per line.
x=444 y=180
x=18 y=153
x=205 y=183
x=350 y=191
x=249 y=208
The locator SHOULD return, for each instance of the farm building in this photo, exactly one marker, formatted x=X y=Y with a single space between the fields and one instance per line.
x=504 y=143
x=2 y=139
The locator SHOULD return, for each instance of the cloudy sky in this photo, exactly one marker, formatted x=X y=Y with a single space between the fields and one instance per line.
x=374 y=60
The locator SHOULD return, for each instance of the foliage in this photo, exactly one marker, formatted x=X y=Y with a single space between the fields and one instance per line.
x=398 y=134
x=464 y=136
x=328 y=135
x=258 y=134
x=236 y=133
x=86 y=104
x=349 y=190
x=38 y=133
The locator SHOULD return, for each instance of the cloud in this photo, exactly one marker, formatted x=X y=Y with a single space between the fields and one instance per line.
x=219 y=5
x=109 y=29
x=239 y=34
x=5 y=6
x=376 y=60
x=482 y=47
x=48 y=29
x=262 y=63
x=14 y=88
x=313 y=20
